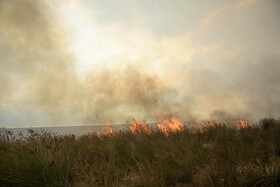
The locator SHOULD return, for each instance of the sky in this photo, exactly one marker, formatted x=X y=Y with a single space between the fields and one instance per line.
x=85 y=62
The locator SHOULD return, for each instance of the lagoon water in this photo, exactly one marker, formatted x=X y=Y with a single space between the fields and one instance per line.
x=77 y=130
x=64 y=130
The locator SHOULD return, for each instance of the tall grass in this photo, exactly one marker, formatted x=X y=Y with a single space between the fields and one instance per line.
x=219 y=156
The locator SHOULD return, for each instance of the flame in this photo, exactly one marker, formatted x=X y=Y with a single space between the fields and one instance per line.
x=198 y=126
x=167 y=127
x=242 y=124
x=205 y=126
x=108 y=130
x=90 y=135
x=170 y=127
x=139 y=128
x=211 y=124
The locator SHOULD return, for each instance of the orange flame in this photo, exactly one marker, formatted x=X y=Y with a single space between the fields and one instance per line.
x=170 y=127
x=139 y=128
x=205 y=126
x=108 y=129
x=199 y=126
x=211 y=124
x=242 y=124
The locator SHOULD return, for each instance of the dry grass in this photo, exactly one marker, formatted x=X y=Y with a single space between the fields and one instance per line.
x=214 y=155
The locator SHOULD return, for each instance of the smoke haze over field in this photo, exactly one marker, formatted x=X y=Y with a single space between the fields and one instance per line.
x=76 y=62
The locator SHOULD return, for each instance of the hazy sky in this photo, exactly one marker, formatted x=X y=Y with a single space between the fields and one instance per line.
x=74 y=62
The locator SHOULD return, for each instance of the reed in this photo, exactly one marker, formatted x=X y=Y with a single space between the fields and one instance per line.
x=210 y=155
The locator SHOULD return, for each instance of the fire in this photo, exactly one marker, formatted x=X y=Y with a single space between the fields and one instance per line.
x=205 y=126
x=170 y=127
x=242 y=124
x=108 y=129
x=210 y=124
x=139 y=128
x=198 y=126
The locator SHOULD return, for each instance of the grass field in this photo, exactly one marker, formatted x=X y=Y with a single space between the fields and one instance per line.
x=210 y=155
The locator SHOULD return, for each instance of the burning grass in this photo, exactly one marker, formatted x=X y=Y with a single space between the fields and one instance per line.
x=139 y=128
x=212 y=154
x=170 y=127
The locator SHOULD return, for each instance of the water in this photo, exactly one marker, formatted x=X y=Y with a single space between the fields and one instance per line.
x=76 y=130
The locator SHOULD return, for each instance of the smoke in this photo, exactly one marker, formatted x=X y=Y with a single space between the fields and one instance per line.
x=33 y=57
x=240 y=89
x=261 y=84
x=40 y=85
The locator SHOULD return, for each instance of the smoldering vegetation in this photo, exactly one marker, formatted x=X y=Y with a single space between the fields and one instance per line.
x=39 y=84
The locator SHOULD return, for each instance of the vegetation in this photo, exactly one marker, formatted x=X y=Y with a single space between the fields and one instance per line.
x=215 y=155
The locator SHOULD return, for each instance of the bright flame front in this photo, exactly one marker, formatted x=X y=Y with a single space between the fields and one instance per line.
x=139 y=128
x=170 y=127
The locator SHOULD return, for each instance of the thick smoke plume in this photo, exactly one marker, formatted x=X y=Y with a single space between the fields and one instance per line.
x=34 y=61
x=39 y=84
